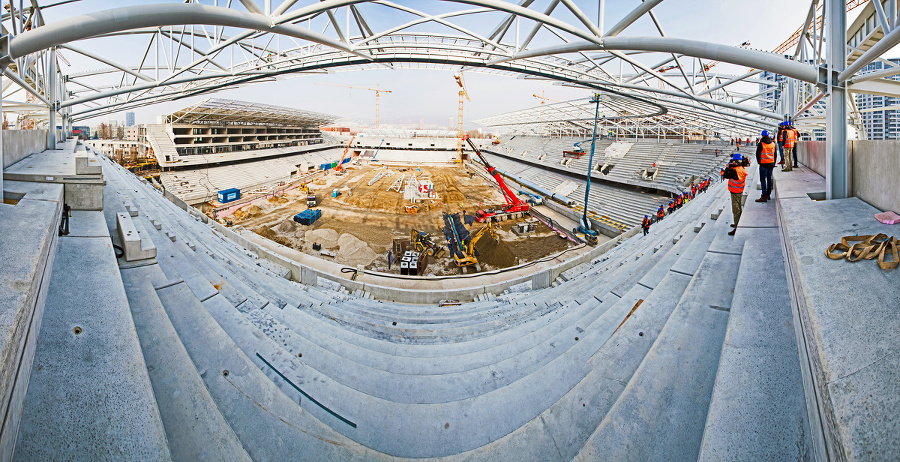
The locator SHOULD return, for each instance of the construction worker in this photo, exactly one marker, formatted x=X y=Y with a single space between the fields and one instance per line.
x=736 y=175
x=645 y=225
x=778 y=135
x=660 y=213
x=789 y=138
x=671 y=207
x=796 y=140
x=765 y=157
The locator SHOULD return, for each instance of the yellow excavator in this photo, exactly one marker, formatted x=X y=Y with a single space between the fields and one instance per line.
x=468 y=258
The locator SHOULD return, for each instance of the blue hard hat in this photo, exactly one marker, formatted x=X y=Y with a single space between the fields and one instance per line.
x=646 y=216
x=765 y=133
x=736 y=157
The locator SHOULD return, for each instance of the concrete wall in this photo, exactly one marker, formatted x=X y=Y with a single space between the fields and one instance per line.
x=812 y=155
x=875 y=173
x=19 y=144
x=874 y=169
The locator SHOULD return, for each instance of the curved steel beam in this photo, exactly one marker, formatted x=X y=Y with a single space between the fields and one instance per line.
x=694 y=48
x=133 y=17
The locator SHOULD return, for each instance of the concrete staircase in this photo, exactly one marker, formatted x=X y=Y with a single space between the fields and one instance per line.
x=635 y=355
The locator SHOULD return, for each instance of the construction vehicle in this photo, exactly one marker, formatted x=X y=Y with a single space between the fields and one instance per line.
x=376 y=151
x=458 y=239
x=412 y=208
x=423 y=243
x=577 y=152
x=584 y=226
x=461 y=243
x=340 y=165
x=533 y=199
x=513 y=203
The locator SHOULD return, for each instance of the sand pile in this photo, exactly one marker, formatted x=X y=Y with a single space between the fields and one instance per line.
x=278 y=200
x=325 y=236
x=354 y=251
x=287 y=227
x=244 y=213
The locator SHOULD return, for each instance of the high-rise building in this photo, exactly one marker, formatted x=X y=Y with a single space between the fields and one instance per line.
x=129 y=119
x=880 y=123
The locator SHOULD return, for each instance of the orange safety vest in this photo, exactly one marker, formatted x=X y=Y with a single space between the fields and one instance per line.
x=737 y=186
x=660 y=213
x=646 y=222
x=790 y=137
x=768 y=153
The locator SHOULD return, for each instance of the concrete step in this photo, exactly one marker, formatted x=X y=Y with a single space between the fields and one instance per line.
x=89 y=385
x=269 y=424
x=195 y=428
x=758 y=409
x=660 y=414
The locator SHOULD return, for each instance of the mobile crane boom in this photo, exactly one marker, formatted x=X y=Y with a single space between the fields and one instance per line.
x=513 y=203
x=340 y=165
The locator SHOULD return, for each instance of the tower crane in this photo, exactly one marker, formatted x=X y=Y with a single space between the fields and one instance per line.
x=543 y=98
x=378 y=91
x=459 y=122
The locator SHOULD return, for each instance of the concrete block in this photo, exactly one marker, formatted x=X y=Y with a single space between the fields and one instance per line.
x=308 y=276
x=134 y=246
x=132 y=210
x=541 y=280
x=192 y=246
x=84 y=196
x=87 y=165
x=699 y=226
x=171 y=236
x=157 y=225
x=676 y=239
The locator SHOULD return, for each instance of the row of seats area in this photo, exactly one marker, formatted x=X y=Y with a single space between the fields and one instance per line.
x=629 y=356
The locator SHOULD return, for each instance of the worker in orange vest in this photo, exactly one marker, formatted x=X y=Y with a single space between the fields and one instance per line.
x=789 y=138
x=645 y=225
x=736 y=175
x=660 y=213
x=766 y=151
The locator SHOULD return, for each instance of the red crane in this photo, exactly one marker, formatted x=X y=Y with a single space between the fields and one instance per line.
x=340 y=165
x=513 y=203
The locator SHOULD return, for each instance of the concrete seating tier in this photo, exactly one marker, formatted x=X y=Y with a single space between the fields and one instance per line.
x=202 y=184
x=620 y=204
x=555 y=373
x=676 y=161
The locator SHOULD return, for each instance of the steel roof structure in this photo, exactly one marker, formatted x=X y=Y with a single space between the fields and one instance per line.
x=229 y=112
x=193 y=48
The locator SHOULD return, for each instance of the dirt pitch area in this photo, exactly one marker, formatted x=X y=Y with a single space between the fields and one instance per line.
x=358 y=226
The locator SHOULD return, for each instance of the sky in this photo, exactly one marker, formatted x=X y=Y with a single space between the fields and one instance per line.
x=431 y=95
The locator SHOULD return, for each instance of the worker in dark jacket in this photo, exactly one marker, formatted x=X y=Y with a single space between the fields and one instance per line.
x=736 y=176
x=645 y=225
x=765 y=157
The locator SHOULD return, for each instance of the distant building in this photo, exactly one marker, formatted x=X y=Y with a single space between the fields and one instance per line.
x=135 y=133
x=81 y=131
x=773 y=96
x=129 y=119
x=880 y=123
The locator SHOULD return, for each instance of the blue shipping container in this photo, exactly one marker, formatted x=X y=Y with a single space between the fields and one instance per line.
x=228 y=195
x=325 y=166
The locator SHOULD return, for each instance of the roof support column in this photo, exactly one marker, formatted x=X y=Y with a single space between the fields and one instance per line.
x=836 y=165
x=51 y=85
